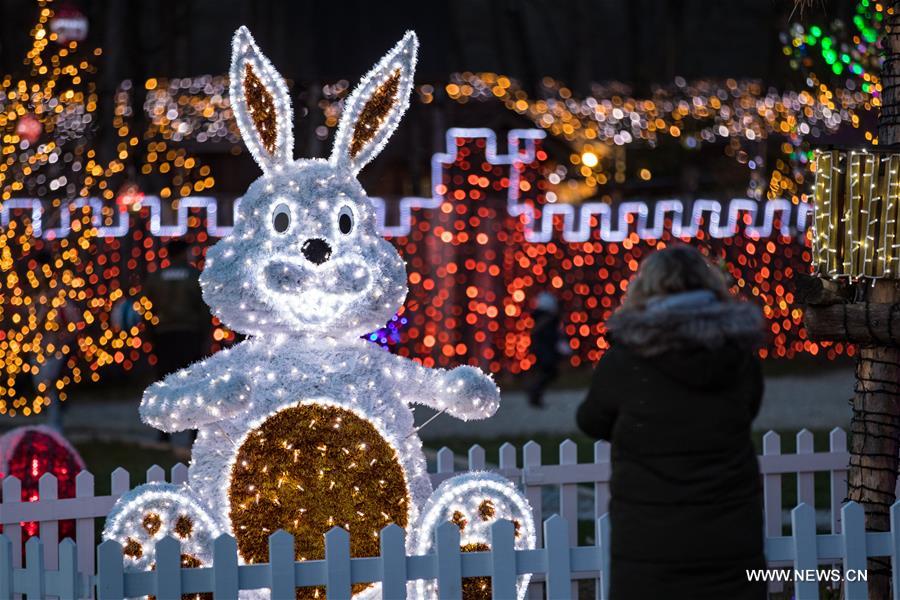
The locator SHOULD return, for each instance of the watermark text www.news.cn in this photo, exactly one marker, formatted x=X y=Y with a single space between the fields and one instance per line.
x=789 y=575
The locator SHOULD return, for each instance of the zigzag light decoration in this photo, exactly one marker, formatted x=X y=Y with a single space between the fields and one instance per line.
x=578 y=221
x=721 y=221
x=119 y=229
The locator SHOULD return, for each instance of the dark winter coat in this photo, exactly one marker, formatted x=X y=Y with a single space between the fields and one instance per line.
x=675 y=395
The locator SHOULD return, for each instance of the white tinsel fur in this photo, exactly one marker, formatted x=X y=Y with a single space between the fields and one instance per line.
x=464 y=495
x=304 y=320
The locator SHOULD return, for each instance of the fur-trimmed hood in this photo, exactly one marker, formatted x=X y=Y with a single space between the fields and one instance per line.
x=694 y=320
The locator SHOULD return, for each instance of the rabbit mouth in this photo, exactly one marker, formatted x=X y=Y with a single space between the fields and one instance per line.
x=306 y=290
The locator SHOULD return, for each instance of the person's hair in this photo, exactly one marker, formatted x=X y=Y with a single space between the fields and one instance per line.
x=671 y=271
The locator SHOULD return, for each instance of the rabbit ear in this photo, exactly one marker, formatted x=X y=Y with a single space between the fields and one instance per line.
x=261 y=104
x=373 y=110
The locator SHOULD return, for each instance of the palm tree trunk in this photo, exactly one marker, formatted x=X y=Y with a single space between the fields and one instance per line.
x=875 y=428
x=875 y=438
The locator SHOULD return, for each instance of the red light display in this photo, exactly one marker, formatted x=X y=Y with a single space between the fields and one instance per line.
x=28 y=453
x=473 y=275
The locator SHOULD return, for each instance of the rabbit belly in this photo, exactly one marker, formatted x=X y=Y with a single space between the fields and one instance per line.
x=308 y=468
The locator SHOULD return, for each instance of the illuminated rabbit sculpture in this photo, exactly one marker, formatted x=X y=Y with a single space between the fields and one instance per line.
x=305 y=426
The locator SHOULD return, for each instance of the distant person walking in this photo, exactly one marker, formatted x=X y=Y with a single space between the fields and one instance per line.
x=545 y=342
x=676 y=395
x=181 y=334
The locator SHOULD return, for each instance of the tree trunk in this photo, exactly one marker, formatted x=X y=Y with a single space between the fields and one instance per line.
x=875 y=428
x=875 y=437
x=889 y=119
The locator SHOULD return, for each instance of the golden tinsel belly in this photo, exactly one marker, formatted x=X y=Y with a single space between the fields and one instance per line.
x=307 y=469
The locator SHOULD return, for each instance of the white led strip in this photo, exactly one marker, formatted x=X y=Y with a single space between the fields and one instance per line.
x=578 y=222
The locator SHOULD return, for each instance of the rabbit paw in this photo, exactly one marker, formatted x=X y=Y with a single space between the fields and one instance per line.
x=470 y=393
x=180 y=402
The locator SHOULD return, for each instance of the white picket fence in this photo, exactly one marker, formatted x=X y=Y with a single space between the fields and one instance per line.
x=84 y=508
x=561 y=563
x=566 y=482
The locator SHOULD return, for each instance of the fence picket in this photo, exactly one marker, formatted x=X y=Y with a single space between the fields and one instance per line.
x=12 y=494
x=110 y=571
x=168 y=567
x=568 y=492
x=6 y=567
x=854 y=537
x=445 y=460
x=119 y=481
x=337 y=555
x=476 y=458
x=803 y=526
x=772 y=486
x=895 y=548
x=48 y=489
x=84 y=528
x=503 y=560
x=35 y=569
x=531 y=463
x=531 y=484
x=393 y=562
x=508 y=456
x=449 y=562
x=225 y=575
x=603 y=548
x=556 y=547
x=67 y=578
x=837 y=442
x=179 y=473
x=806 y=484
x=601 y=488
x=568 y=497
x=281 y=564
x=156 y=473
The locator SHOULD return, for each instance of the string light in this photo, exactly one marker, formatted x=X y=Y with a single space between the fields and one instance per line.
x=166 y=511
x=28 y=453
x=856 y=197
x=304 y=426
x=474 y=502
x=64 y=300
x=57 y=297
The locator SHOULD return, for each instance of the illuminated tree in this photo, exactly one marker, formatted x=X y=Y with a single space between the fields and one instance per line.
x=841 y=60
x=60 y=284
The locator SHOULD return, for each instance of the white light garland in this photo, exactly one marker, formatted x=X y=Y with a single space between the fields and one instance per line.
x=462 y=499
x=304 y=274
x=152 y=511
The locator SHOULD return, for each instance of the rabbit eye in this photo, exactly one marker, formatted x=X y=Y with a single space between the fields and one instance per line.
x=345 y=220
x=281 y=218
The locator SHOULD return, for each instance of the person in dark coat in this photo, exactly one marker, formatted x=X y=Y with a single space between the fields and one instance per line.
x=675 y=395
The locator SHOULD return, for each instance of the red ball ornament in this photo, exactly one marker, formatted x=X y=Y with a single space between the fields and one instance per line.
x=69 y=24
x=28 y=128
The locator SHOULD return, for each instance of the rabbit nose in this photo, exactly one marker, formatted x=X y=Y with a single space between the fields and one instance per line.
x=316 y=250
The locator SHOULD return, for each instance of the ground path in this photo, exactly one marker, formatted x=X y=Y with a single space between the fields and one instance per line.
x=791 y=402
